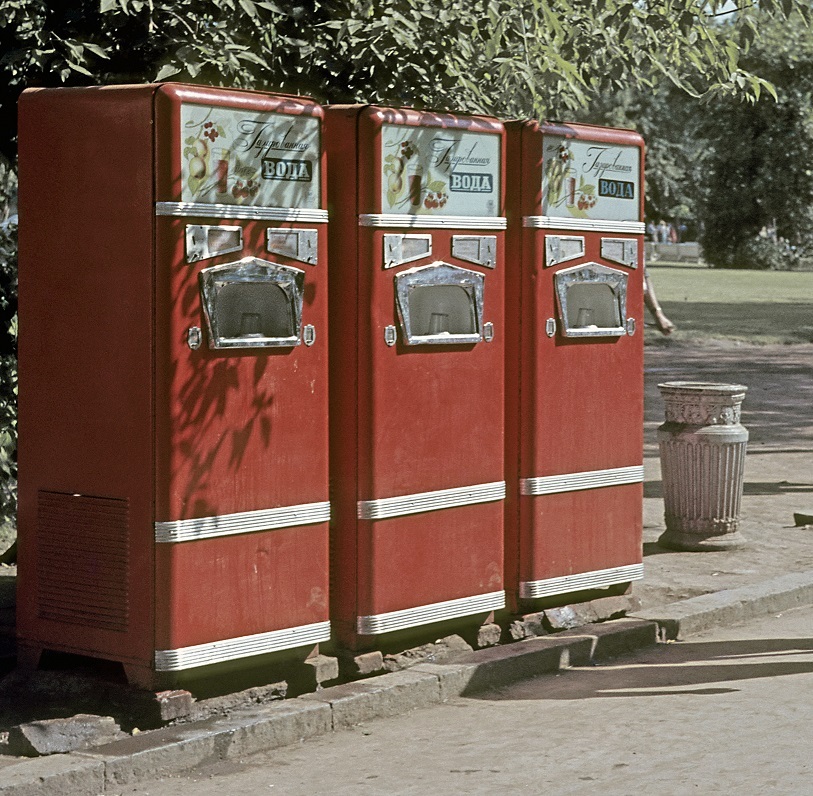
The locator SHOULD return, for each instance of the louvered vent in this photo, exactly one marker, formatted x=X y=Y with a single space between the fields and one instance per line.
x=83 y=560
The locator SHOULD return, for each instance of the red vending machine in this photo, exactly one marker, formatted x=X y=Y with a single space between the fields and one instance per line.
x=173 y=459
x=574 y=382
x=417 y=357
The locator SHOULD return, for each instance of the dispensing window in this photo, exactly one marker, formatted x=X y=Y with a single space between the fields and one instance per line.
x=592 y=301
x=252 y=304
x=440 y=304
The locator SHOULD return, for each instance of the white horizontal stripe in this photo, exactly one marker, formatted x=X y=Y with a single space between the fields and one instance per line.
x=243 y=522
x=430 y=501
x=304 y=214
x=241 y=647
x=597 y=579
x=590 y=479
x=584 y=224
x=426 y=614
x=431 y=222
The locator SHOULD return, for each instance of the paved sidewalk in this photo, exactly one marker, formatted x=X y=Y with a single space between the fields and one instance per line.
x=681 y=593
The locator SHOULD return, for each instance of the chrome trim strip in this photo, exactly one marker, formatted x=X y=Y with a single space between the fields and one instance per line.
x=304 y=214
x=242 y=522
x=584 y=224
x=406 y=220
x=530 y=590
x=426 y=614
x=401 y=505
x=241 y=647
x=589 y=479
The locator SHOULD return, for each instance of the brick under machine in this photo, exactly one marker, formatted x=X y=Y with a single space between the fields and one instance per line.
x=417 y=347
x=173 y=458
x=574 y=379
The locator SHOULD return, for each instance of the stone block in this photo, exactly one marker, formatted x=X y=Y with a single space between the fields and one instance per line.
x=56 y=775
x=488 y=635
x=453 y=678
x=426 y=653
x=498 y=666
x=570 y=616
x=325 y=668
x=387 y=695
x=174 y=704
x=58 y=736
x=185 y=746
x=612 y=639
x=368 y=662
x=614 y=607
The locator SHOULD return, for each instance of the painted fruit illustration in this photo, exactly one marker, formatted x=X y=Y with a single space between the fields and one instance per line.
x=395 y=180
x=197 y=168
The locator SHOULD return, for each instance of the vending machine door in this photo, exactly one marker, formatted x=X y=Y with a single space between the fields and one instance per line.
x=241 y=397
x=574 y=444
x=416 y=368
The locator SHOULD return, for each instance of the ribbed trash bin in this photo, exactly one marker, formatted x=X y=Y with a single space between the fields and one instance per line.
x=702 y=450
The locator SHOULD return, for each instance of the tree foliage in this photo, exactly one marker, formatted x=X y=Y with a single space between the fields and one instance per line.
x=540 y=58
x=757 y=191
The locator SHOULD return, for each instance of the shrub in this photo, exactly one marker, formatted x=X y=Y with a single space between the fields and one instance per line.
x=763 y=254
x=8 y=372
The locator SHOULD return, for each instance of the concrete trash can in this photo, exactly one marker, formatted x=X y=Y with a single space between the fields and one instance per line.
x=702 y=450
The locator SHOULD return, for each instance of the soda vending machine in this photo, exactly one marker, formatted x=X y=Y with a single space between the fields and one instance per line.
x=574 y=381
x=416 y=373
x=173 y=459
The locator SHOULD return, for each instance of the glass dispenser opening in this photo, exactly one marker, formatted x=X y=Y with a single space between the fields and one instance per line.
x=592 y=300
x=440 y=304
x=252 y=304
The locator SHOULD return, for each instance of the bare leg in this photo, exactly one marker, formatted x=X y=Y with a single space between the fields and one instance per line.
x=665 y=326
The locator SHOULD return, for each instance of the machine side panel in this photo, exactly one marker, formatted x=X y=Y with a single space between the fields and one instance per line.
x=86 y=375
x=347 y=405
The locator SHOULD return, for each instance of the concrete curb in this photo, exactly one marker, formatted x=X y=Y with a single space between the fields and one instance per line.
x=183 y=747
x=730 y=606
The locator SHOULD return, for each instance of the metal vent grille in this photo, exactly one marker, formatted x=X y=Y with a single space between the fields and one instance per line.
x=82 y=565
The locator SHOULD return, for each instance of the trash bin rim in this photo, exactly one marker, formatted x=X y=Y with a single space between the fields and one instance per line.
x=702 y=387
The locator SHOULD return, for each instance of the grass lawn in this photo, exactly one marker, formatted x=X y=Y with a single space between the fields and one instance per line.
x=750 y=306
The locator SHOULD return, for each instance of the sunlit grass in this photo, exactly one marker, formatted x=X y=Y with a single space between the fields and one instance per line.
x=749 y=306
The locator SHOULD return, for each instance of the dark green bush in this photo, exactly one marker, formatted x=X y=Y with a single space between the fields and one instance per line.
x=763 y=254
x=8 y=372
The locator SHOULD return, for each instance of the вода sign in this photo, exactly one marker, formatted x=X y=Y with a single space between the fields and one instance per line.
x=232 y=156
x=590 y=180
x=433 y=171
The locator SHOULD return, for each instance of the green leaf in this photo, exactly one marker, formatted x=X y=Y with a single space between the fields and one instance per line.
x=165 y=72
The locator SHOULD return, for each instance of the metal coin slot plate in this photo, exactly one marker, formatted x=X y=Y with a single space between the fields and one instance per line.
x=604 y=288
x=623 y=251
x=477 y=249
x=204 y=241
x=297 y=244
x=407 y=248
x=562 y=248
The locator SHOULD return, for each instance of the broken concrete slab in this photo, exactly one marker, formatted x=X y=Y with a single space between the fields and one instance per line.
x=426 y=653
x=58 y=736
